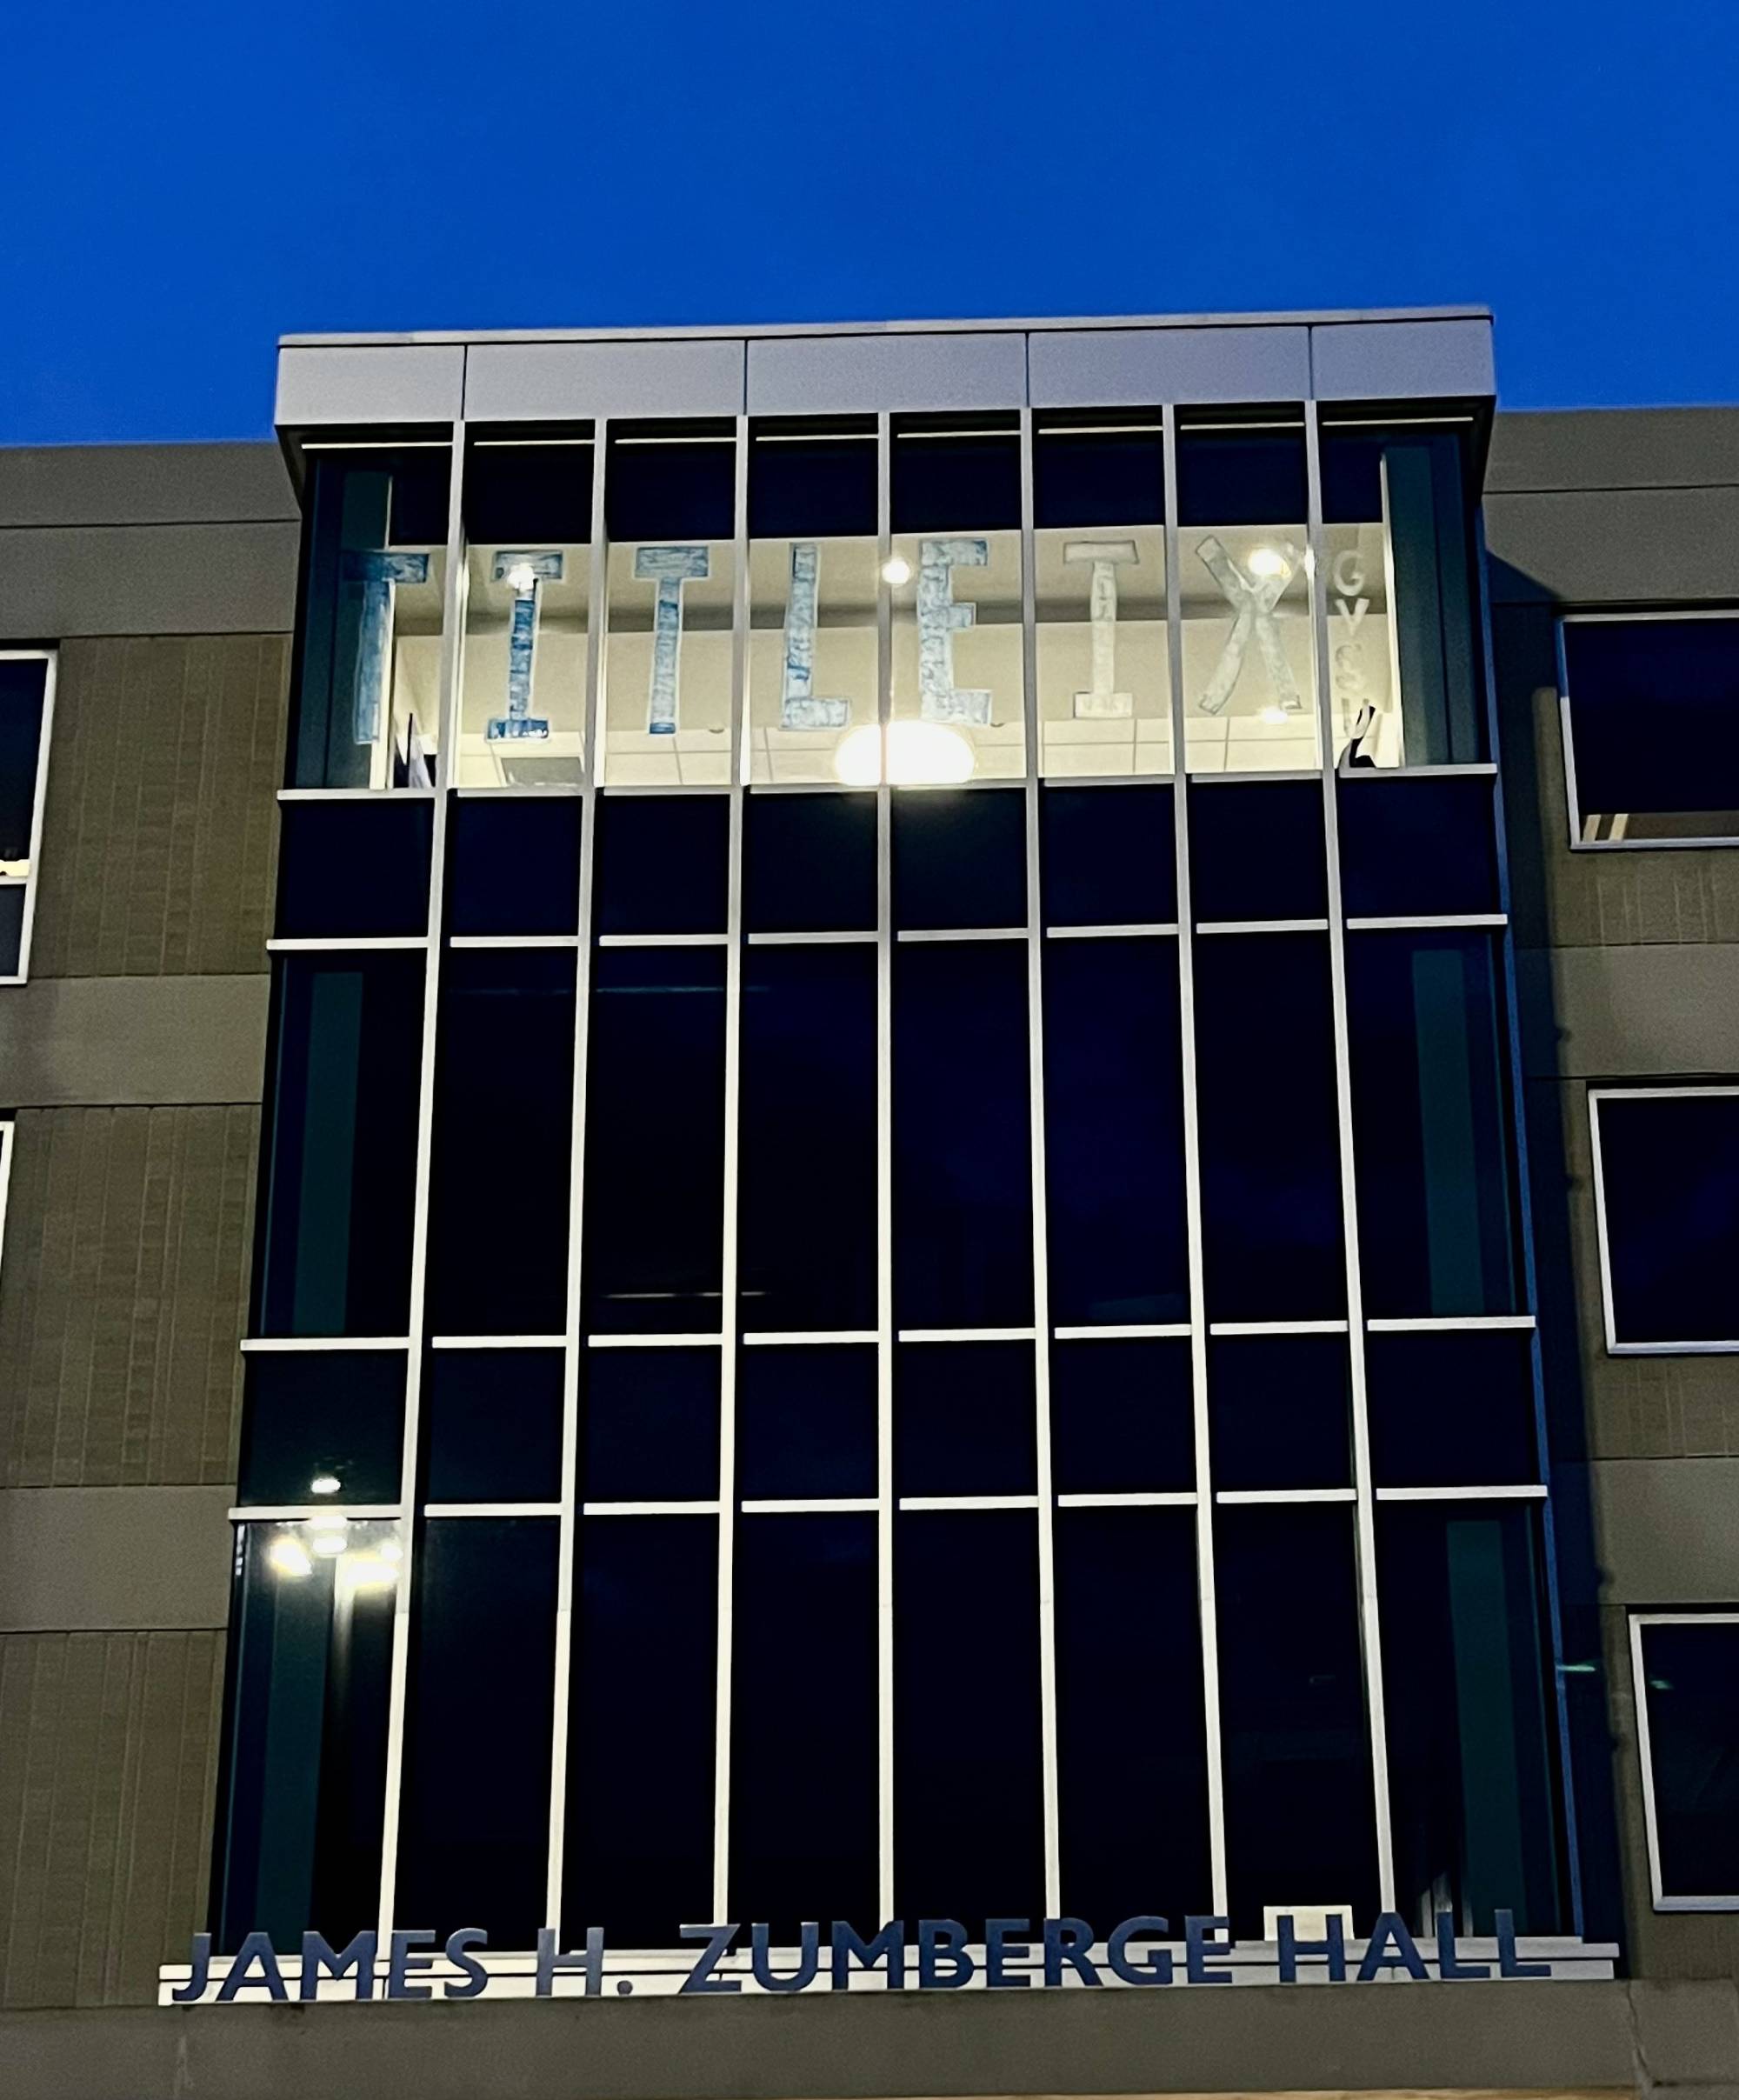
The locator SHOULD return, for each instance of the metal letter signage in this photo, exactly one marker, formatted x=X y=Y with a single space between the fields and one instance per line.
x=1053 y=1953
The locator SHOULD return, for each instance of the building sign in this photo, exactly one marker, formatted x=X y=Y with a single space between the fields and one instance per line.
x=1062 y=1952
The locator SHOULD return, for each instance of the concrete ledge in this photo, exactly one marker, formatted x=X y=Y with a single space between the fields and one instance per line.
x=59 y=581
x=132 y=1042
x=1406 y=2037
x=114 y=1560
x=1666 y=1529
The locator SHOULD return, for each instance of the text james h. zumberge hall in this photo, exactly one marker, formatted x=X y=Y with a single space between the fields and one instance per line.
x=868 y=1191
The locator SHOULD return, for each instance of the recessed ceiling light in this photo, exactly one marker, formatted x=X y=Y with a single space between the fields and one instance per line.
x=897 y=569
x=920 y=754
x=1269 y=560
x=323 y=1484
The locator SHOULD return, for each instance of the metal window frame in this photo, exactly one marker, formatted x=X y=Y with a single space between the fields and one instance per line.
x=1645 y=1759
x=1654 y=616
x=1614 y=1347
x=31 y=883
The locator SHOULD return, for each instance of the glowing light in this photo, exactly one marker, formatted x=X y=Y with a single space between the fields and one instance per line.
x=521 y=577
x=390 y=1550
x=328 y=1544
x=897 y=569
x=1276 y=715
x=289 y=1556
x=368 y=1571
x=323 y=1484
x=1268 y=561
x=920 y=754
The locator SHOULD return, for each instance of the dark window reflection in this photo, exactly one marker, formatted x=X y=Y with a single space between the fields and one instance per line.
x=1098 y=467
x=963 y=1202
x=650 y=1425
x=1257 y=851
x=959 y=858
x=809 y=863
x=325 y=1415
x=1452 y=1410
x=352 y=868
x=1109 y=857
x=967 y=1848
x=1651 y=709
x=1669 y=1174
x=964 y=1419
x=341 y=1146
x=474 y=1832
x=804 y=1802
x=1279 y=1411
x=1467 y=1683
x=1300 y=1823
x=806 y=1421
x=670 y=480
x=957 y=470
x=1411 y=847
x=662 y=863
x=513 y=864
x=492 y=1424
x=655 y=1141
x=1122 y=1417
x=641 y=1728
x=1691 y=1682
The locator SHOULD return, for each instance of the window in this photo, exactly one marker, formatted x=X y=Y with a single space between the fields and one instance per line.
x=1648 y=703
x=367 y=707
x=1685 y=1671
x=1666 y=1169
x=27 y=683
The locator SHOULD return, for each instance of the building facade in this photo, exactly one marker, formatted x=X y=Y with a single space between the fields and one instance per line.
x=961 y=1150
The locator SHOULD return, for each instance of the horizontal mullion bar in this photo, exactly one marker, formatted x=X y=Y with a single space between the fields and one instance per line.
x=1285 y=1494
x=968 y=1502
x=798 y=1505
x=498 y=1342
x=1277 y=1327
x=514 y=940
x=712 y=1341
x=1420 y=772
x=1469 y=1323
x=367 y=943
x=1134 y=1331
x=810 y=1338
x=1514 y=1491
x=1158 y=929
x=355 y=794
x=966 y=1334
x=915 y=933
x=664 y=940
x=300 y=1512
x=1185 y=1499
x=1426 y=920
x=267 y=1345
x=1216 y=926
x=812 y=940
x=491 y=1509
x=649 y=1509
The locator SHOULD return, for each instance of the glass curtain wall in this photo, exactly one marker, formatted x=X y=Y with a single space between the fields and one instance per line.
x=867 y=1172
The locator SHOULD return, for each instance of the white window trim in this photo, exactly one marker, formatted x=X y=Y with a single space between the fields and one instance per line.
x=9 y=1139
x=1639 y=1681
x=52 y=658
x=1659 y=614
x=1614 y=1346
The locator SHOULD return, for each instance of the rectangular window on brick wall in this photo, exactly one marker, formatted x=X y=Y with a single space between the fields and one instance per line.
x=27 y=683
x=1666 y=1171
x=1685 y=1669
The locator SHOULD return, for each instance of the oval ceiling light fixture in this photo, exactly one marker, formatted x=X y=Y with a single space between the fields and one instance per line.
x=897 y=569
x=1268 y=561
x=920 y=754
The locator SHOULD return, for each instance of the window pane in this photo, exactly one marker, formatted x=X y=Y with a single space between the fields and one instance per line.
x=963 y=1418
x=1132 y=1761
x=662 y=863
x=1669 y=1183
x=12 y=895
x=1115 y=1224
x=1402 y=638
x=474 y=1829
x=1109 y=857
x=367 y=710
x=809 y=863
x=958 y=678
x=806 y=1421
x=963 y=1201
x=807 y=1153
x=528 y=518
x=641 y=1728
x=1122 y=1417
x=513 y=864
x=969 y=1835
x=1099 y=505
x=305 y=1718
x=1651 y=709
x=1249 y=684
x=24 y=689
x=503 y=1126
x=347 y=868
x=670 y=501
x=1451 y=1411
x=492 y=1425
x=813 y=675
x=648 y=1429
x=1691 y=1675
x=960 y=860
x=1465 y=1680
x=340 y=1155
x=327 y=1416
x=1430 y=1125
x=1300 y=1824
x=654 y=1141
x=804 y=1802
x=1410 y=848
x=1258 y=852
x=1279 y=1410
x=1270 y=1144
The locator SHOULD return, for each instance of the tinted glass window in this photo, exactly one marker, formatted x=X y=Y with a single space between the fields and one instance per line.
x=967 y=1852
x=503 y=1125
x=1651 y=709
x=806 y=1423
x=513 y=864
x=1116 y=1225
x=963 y=1420
x=346 y=868
x=963 y=1202
x=1120 y=1418
x=480 y=1703
x=1258 y=852
x=1270 y=1146
x=1691 y=1683
x=960 y=860
x=807 y=1146
x=1669 y=1183
x=1414 y=848
x=650 y=1425
x=809 y=863
x=805 y=1805
x=492 y=1425
x=1430 y=1126
x=1109 y=857
x=341 y=1150
x=1279 y=1410
x=1451 y=1409
x=655 y=1141
x=662 y=863
x=24 y=687
x=641 y=1726
x=327 y=1416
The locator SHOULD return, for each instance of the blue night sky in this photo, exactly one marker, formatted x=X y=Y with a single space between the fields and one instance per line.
x=182 y=183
